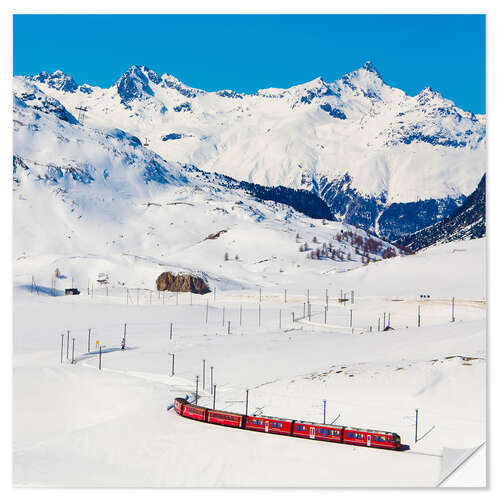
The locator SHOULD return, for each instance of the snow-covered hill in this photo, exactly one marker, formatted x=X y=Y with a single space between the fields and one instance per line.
x=90 y=200
x=381 y=159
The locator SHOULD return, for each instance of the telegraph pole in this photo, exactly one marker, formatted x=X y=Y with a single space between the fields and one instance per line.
x=215 y=388
x=170 y=331
x=418 y=317
x=73 y=352
x=196 y=398
x=67 y=345
x=324 y=411
x=211 y=379
x=416 y=425
x=100 y=355
x=88 y=344
x=206 y=314
x=246 y=405
x=350 y=318
x=453 y=309
x=203 y=374
x=173 y=362
x=62 y=346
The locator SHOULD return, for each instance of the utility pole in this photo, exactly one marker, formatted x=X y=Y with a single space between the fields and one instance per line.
x=308 y=295
x=378 y=326
x=67 y=345
x=326 y=301
x=229 y=327
x=215 y=292
x=293 y=317
x=246 y=405
x=280 y=319
x=389 y=320
x=350 y=318
x=384 y=321
x=260 y=294
x=304 y=310
x=352 y=296
x=73 y=352
x=326 y=308
x=223 y=314
x=88 y=344
x=203 y=375
x=324 y=411
x=173 y=362
x=211 y=379
x=259 y=314
x=62 y=346
x=453 y=309
x=418 y=317
x=100 y=355
x=285 y=295
x=215 y=388
x=416 y=425
x=124 y=334
x=206 y=314
x=170 y=331
x=196 y=397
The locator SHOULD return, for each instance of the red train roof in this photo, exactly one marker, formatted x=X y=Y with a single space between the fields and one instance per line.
x=316 y=424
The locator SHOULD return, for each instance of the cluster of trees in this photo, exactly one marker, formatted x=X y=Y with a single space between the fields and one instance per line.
x=226 y=256
x=366 y=247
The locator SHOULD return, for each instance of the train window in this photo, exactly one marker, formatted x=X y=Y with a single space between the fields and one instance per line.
x=300 y=428
x=276 y=425
x=350 y=435
x=380 y=439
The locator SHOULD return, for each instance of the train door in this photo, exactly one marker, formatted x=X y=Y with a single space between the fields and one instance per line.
x=311 y=432
x=368 y=440
x=267 y=426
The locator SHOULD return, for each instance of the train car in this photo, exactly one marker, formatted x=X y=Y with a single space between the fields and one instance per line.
x=178 y=404
x=194 y=412
x=323 y=432
x=225 y=418
x=274 y=425
x=371 y=438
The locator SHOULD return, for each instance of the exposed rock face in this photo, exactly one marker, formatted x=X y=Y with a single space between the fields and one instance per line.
x=467 y=223
x=181 y=283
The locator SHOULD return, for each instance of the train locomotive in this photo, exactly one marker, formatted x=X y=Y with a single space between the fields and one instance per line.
x=288 y=427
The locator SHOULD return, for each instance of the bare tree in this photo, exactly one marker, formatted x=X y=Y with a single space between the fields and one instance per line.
x=226 y=256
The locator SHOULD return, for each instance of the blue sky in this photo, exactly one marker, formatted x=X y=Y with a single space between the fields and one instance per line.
x=245 y=53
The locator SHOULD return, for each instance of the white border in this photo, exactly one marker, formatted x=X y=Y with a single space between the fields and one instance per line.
x=226 y=6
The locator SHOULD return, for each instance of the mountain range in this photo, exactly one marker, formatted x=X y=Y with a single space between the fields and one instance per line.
x=381 y=160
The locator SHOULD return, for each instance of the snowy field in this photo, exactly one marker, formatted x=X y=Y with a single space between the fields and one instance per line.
x=76 y=425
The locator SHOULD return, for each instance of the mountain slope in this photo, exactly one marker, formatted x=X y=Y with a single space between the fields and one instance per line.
x=381 y=159
x=467 y=223
x=90 y=200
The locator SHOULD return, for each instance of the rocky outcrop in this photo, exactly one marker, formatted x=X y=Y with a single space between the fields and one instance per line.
x=182 y=282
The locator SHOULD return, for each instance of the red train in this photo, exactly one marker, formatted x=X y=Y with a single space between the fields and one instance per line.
x=287 y=427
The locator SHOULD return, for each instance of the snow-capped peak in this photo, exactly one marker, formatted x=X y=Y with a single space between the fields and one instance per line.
x=57 y=80
x=136 y=83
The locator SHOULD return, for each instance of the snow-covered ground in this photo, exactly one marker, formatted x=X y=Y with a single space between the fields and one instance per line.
x=77 y=426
